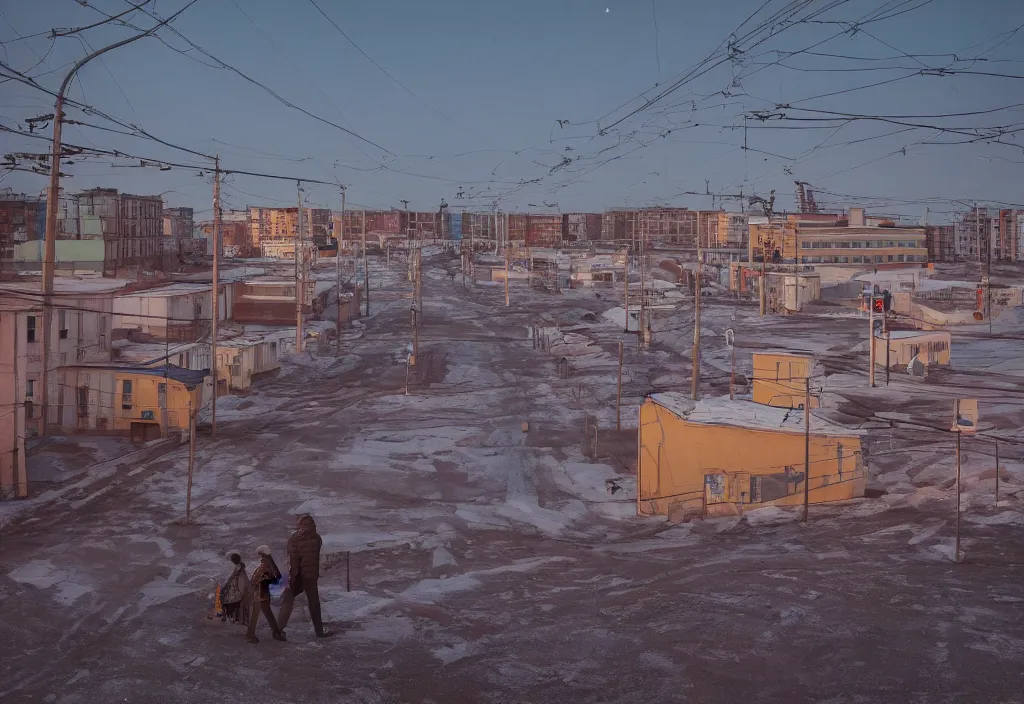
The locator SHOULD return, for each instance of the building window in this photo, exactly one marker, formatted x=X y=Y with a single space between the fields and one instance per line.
x=83 y=400
x=126 y=395
x=900 y=258
x=31 y=328
x=30 y=388
x=62 y=318
x=878 y=259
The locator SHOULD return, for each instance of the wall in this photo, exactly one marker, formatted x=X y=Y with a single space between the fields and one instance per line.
x=778 y=380
x=13 y=352
x=676 y=456
x=932 y=348
x=104 y=411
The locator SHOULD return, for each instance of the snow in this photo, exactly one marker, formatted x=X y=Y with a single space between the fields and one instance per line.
x=744 y=414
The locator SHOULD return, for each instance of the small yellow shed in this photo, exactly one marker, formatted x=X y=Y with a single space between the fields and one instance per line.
x=716 y=456
x=780 y=379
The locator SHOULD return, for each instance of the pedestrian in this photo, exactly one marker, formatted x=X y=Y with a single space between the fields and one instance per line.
x=303 y=573
x=265 y=574
x=236 y=594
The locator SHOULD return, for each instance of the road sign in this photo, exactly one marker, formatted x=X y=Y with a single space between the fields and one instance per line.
x=965 y=416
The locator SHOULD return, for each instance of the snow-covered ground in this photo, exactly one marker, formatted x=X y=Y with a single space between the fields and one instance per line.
x=488 y=563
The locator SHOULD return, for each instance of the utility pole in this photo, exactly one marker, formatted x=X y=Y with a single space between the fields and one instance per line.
x=216 y=294
x=625 y=278
x=508 y=258
x=641 y=326
x=956 y=555
x=807 y=442
x=618 y=394
x=300 y=292
x=871 y=339
x=695 y=383
x=408 y=246
x=419 y=284
x=362 y=229
x=337 y=273
x=52 y=194
x=191 y=461
x=977 y=233
x=366 y=269
x=997 y=474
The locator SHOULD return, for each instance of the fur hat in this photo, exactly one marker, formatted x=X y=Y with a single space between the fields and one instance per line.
x=229 y=553
x=263 y=550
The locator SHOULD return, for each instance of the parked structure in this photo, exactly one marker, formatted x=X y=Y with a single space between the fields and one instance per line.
x=246 y=357
x=790 y=293
x=717 y=457
x=780 y=379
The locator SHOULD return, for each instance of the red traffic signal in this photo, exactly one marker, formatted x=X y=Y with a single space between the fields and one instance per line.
x=879 y=305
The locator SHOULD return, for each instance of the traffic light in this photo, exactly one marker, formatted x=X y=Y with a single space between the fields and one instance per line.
x=879 y=304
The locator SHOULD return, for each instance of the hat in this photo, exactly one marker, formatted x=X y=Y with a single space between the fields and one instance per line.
x=229 y=553
x=263 y=550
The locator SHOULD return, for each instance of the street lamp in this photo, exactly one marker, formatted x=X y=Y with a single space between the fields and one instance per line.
x=50 y=245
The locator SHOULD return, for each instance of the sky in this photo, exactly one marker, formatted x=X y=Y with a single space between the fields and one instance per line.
x=462 y=100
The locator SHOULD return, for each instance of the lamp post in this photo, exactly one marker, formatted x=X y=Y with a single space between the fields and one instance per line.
x=50 y=244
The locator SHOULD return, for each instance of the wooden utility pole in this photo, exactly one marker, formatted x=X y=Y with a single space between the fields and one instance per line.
x=300 y=293
x=871 y=340
x=618 y=393
x=640 y=325
x=419 y=284
x=52 y=195
x=337 y=272
x=956 y=554
x=508 y=259
x=997 y=474
x=887 y=347
x=366 y=269
x=191 y=461
x=216 y=295
x=408 y=245
x=807 y=442
x=625 y=278
x=695 y=382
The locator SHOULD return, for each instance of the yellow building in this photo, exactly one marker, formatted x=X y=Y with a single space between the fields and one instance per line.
x=715 y=457
x=143 y=402
x=904 y=345
x=819 y=238
x=780 y=379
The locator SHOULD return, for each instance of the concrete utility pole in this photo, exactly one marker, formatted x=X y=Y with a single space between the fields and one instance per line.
x=640 y=325
x=408 y=246
x=191 y=461
x=362 y=229
x=53 y=193
x=956 y=554
x=300 y=292
x=216 y=294
x=977 y=230
x=807 y=441
x=337 y=273
x=695 y=382
x=871 y=339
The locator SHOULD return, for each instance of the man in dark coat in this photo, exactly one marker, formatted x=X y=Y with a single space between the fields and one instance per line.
x=265 y=574
x=303 y=573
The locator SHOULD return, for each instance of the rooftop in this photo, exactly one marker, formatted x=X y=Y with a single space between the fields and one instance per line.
x=175 y=289
x=744 y=414
x=188 y=377
x=909 y=334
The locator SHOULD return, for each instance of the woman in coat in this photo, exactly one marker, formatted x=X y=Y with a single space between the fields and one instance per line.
x=236 y=594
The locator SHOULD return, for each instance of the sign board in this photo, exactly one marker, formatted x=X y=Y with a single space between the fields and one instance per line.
x=965 y=416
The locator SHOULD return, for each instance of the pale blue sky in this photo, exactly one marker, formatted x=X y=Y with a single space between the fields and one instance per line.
x=491 y=78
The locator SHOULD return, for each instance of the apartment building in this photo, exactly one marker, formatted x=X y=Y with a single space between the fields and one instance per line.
x=1010 y=242
x=235 y=235
x=273 y=231
x=670 y=226
x=940 y=241
x=582 y=227
x=818 y=238
x=976 y=231
x=131 y=227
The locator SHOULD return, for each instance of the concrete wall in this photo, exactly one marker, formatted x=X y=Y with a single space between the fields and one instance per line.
x=679 y=460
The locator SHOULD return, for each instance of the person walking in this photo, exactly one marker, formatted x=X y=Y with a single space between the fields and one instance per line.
x=265 y=574
x=236 y=594
x=303 y=573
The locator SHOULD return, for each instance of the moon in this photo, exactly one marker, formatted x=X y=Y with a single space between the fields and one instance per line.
x=607 y=10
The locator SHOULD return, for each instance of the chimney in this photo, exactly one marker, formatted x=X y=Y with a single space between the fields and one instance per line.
x=856 y=217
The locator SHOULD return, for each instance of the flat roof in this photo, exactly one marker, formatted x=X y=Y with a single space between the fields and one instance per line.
x=909 y=334
x=188 y=377
x=745 y=414
x=175 y=289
